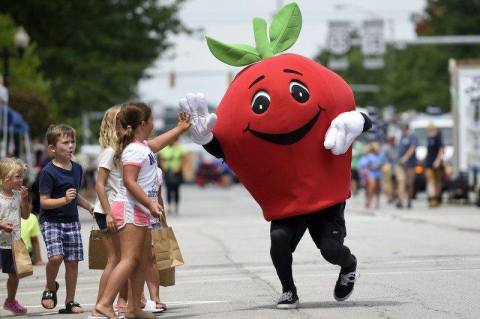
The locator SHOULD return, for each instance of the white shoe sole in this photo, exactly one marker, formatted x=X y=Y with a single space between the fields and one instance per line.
x=158 y=310
x=288 y=306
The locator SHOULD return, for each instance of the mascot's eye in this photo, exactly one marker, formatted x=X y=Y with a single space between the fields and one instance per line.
x=260 y=102
x=299 y=92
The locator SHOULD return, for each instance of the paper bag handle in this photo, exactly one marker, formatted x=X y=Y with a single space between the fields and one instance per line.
x=163 y=220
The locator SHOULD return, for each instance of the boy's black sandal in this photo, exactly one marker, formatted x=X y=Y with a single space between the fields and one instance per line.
x=50 y=295
x=69 y=307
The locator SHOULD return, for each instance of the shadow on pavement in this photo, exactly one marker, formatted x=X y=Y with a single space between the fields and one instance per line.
x=331 y=304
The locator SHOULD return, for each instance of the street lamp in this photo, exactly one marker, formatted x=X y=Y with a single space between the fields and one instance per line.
x=21 y=40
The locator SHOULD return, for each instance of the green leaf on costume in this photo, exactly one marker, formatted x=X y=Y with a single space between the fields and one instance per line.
x=233 y=54
x=285 y=28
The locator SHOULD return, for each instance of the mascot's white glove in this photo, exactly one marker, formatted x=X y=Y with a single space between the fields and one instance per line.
x=202 y=121
x=342 y=132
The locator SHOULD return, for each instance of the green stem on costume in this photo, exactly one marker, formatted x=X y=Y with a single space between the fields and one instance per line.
x=262 y=43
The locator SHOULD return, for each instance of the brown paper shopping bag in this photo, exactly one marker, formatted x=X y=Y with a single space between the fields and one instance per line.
x=161 y=246
x=167 y=251
x=167 y=277
x=21 y=259
x=175 y=254
x=97 y=254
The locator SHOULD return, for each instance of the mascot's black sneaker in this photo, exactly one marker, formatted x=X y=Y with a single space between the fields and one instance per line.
x=288 y=300
x=345 y=282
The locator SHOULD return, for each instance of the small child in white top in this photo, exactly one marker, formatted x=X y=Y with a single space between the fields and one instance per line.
x=13 y=205
x=109 y=179
x=114 y=178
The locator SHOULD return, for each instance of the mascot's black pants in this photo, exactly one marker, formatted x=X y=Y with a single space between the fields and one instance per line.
x=327 y=228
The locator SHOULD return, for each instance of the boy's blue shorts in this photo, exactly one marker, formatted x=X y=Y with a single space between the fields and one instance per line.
x=63 y=239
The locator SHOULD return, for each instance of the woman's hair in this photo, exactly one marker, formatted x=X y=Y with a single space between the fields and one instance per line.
x=8 y=167
x=108 y=135
x=131 y=115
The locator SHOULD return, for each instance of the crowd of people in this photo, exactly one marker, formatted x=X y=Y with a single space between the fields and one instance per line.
x=391 y=168
x=128 y=205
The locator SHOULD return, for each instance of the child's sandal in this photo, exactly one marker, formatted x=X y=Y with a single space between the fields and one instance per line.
x=69 y=308
x=50 y=295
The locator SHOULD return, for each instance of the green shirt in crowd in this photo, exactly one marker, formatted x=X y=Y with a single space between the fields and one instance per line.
x=357 y=151
x=171 y=157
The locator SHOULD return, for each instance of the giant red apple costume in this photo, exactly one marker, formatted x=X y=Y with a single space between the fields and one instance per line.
x=272 y=135
x=285 y=127
x=273 y=119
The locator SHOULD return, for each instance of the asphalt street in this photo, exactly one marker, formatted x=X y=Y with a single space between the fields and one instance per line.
x=419 y=263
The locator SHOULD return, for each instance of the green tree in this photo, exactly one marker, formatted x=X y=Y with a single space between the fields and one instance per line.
x=95 y=51
x=29 y=91
x=418 y=75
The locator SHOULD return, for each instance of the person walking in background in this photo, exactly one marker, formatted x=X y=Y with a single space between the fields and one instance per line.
x=405 y=170
x=13 y=205
x=357 y=151
x=374 y=163
x=363 y=171
x=172 y=159
x=433 y=165
x=60 y=181
x=389 y=182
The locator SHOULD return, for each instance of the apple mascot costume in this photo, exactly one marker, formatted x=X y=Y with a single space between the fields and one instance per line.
x=285 y=127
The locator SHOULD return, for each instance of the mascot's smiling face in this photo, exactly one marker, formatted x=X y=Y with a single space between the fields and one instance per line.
x=293 y=82
x=271 y=126
x=281 y=101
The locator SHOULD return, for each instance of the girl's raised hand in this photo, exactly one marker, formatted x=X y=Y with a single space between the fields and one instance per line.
x=184 y=120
